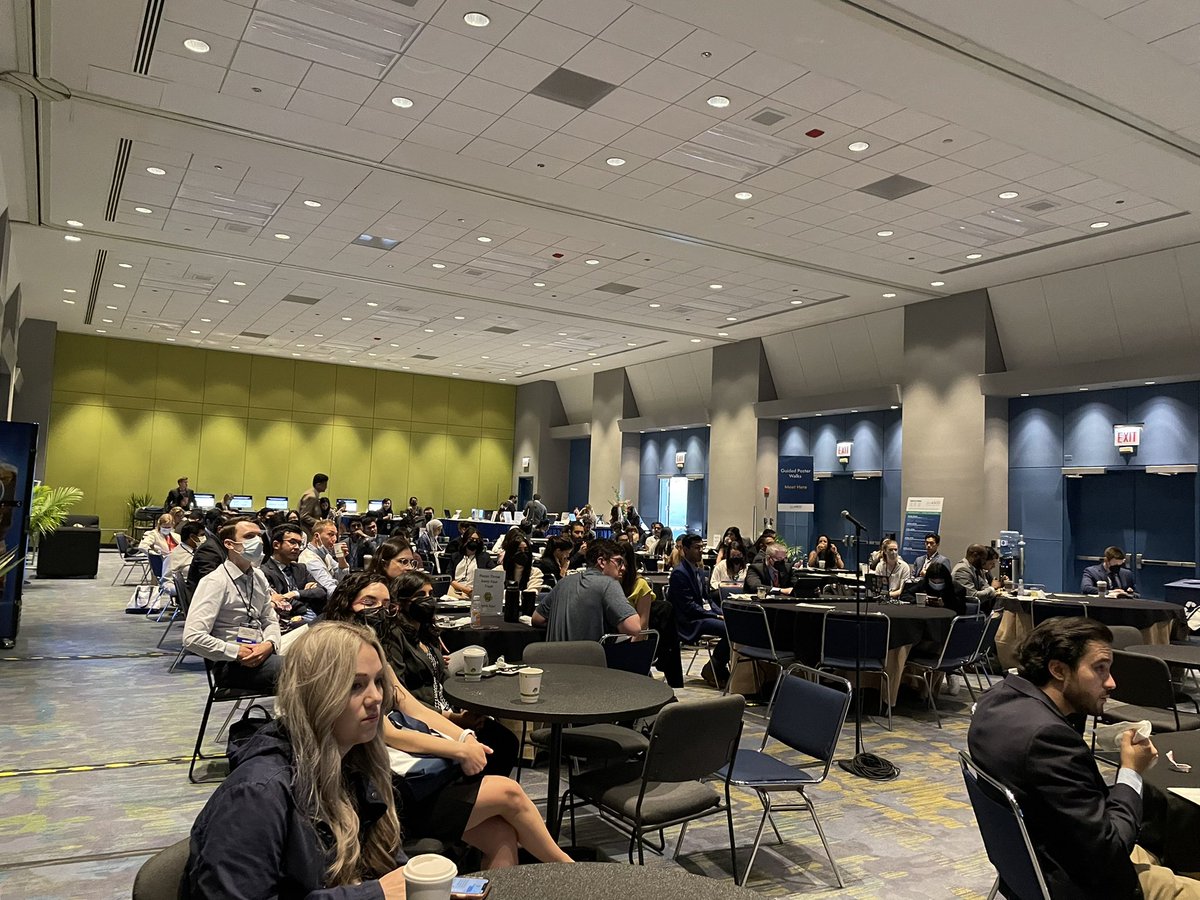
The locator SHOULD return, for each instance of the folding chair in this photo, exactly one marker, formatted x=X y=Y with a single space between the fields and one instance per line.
x=959 y=650
x=1145 y=691
x=871 y=633
x=750 y=637
x=183 y=598
x=218 y=695
x=624 y=653
x=132 y=561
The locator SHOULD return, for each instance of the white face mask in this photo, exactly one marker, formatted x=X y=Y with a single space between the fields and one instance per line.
x=252 y=550
x=936 y=585
x=164 y=530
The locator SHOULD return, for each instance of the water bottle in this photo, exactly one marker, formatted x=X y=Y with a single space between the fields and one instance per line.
x=1020 y=587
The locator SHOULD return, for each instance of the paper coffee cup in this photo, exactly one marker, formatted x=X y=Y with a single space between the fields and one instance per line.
x=922 y=599
x=428 y=877
x=474 y=659
x=531 y=684
x=761 y=593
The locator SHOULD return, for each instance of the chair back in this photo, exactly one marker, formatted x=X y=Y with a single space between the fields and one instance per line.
x=122 y=540
x=1125 y=636
x=692 y=740
x=160 y=876
x=157 y=564
x=624 y=653
x=987 y=641
x=183 y=591
x=962 y=641
x=843 y=632
x=1041 y=610
x=1002 y=827
x=575 y=653
x=808 y=712
x=747 y=626
x=1142 y=680
x=727 y=591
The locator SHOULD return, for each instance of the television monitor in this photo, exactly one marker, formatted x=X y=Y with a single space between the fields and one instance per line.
x=205 y=501
x=489 y=515
x=241 y=501
x=348 y=504
x=374 y=505
x=276 y=502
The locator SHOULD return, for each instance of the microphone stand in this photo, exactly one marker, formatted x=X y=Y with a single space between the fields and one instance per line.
x=863 y=764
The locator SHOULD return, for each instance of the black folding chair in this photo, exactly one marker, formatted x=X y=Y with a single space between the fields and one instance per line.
x=218 y=695
x=623 y=652
x=750 y=637
x=871 y=634
x=132 y=560
x=960 y=649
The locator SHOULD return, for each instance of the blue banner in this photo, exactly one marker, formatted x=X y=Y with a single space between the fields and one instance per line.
x=922 y=516
x=795 y=484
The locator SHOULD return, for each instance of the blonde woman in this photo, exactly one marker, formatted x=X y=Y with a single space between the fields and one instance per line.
x=308 y=811
x=162 y=539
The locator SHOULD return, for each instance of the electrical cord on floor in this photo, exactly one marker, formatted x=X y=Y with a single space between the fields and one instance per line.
x=870 y=766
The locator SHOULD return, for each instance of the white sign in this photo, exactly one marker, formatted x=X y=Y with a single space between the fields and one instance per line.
x=487 y=598
x=924 y=504
x=844 y=448
x=1127 y=435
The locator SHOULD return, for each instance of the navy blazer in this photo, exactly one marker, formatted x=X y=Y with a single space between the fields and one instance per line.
x=686 y=591
x=1121 y=579
x=1082 y=830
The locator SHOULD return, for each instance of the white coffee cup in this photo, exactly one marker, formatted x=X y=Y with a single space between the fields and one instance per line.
x=761 y=593
x=1102 y=587
x=428 y=877
x=820 y=563
x=922 y=599
x=474 y=659
x=531 y=684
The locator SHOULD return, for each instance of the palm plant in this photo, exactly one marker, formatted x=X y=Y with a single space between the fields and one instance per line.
x=50 y=507
x=133 y=503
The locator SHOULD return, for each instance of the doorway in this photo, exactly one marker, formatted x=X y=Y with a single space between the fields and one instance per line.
x=524 y=491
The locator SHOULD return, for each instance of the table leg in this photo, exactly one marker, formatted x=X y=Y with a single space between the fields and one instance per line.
x=552 y=778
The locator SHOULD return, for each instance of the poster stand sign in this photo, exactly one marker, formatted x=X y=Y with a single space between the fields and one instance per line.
x=922 y=516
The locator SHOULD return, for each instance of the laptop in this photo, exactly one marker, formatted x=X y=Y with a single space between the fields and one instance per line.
x=205 y=501
x=374 y=505
x=348 y=503
x=275 y=502
x=241 y=501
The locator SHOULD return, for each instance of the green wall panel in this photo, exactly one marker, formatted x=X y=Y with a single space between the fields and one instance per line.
x=79 y=363
x=499 y=408
x=393 y=397
x=427 y=470
x=271 y=382
x=130 y=374
x=465 y=404
x=222 y=454
x=227 y=379
x=125 y=436
x=349 y=475
x=495 y=470
x=181 y=371
x=73 y=428
x=462 y=472
x=355 y=391
x=314 y=388
x=174 y=452
x=312 y=447
x=268 y=449
x=430 y=399
x=390 y=451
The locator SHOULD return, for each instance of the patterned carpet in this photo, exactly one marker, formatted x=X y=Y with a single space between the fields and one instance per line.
x=69 y=830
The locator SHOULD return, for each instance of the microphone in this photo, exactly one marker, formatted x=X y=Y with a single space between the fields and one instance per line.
x=849 y=518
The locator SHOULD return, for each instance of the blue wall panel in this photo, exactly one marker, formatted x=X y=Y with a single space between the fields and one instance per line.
x=892 y=444
x=1035 y=499
x=579 y=472
x=1170 y=417
x=1035 y=431
x=1088 y=428
x=658 y=460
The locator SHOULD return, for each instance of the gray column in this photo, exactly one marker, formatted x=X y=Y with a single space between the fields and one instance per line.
x=955 y=440
x=539 y=409
x=615 y=465
x=737 y=466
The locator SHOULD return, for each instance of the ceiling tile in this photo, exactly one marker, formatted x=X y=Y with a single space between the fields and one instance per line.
x=589 y=16
x=482 y=148
x=543 y=112
x=563 y=146
x=861 y=109
x=512 y=69
x=761 y=73
x=906 y=125
x=260 y=90
x=593 y=127
x=485 y=95
x=431 y=135
x=679 y=122
x=516 y=134
x=439 y=46
x=269 y=64
x=426 y=77
x=706 y=53
x=646 y=32
x=608 y=62
x=628 y=106
x=814 y=92
x=545 y=41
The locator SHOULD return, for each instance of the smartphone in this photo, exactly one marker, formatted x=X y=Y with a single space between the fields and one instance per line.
x=469 y=888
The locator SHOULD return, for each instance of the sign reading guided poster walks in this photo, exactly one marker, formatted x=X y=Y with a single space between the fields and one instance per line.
x=795 y=484
x=922 y=516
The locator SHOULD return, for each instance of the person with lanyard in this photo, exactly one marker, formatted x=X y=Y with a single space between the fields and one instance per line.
x=893 y=568
x=293 y=588
x=231 y=619
x=694 y=615
x=469 y=559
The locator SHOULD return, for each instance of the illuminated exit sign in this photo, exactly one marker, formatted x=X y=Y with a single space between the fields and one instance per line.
x=1127 y=436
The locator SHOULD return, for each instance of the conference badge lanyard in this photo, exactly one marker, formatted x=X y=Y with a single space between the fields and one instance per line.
x=253 y=632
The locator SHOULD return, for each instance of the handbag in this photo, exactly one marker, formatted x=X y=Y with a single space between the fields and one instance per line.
x=143 y=596
x=424 y=775
x=245 y=728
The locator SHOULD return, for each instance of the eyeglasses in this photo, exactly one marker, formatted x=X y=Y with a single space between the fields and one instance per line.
x=406 y=562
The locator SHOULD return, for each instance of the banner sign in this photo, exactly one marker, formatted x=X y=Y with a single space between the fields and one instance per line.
x=922 y=516
x=795 y=484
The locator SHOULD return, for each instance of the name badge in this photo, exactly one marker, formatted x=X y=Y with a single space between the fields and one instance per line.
x=248 y=635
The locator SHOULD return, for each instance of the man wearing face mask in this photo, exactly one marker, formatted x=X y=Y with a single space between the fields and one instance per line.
x=1112 y=571
x=191 y=534
x=231 y=620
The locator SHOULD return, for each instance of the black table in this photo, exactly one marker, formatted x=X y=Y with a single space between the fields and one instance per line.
x=1170 y=824
x=798 y=628
x=579 y=695
x=1135 y=611
x=1186 y=655
x=508 y=639
x=560 y=881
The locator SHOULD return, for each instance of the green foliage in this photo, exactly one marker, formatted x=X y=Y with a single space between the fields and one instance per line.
x=133 y=503
x=50 y=507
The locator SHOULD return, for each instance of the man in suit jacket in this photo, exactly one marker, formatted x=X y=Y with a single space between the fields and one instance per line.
x=1120 y=579
x=310 y=502
x=770 y=570
x=291 y=585
x=1025 y=733
x=694 y=615
x=210 y=555
x=933 y=554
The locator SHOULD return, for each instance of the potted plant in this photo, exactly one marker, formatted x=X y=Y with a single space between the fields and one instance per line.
x=133 y=503
x=50 y=507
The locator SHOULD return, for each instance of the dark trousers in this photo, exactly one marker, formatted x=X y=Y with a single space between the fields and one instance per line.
x=667 y=659
x=720 y=653
x=244 y=678
x=504 y=746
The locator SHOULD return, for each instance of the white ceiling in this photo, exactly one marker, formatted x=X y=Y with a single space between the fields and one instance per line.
x=969 y=105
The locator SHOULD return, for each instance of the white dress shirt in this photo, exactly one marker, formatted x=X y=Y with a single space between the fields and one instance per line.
x=322 y=566
x=227 y=600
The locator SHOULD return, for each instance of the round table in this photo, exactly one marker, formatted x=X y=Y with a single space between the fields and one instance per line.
x=578 y=695
x=555 y=881
x=507 y=639
x=1186 y=655
x=1170 y=824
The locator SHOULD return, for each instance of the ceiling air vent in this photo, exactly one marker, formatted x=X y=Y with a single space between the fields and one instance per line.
x=254 y=335
x=475 y=272
x=768 y=117
x=375 y=242
x=573 y=88
x=124 y=147
x=297 y=298
x=1042 y=205
x=614 y=287
x=423 y=356
x=237 y=227
x=500 y=329
x=894 y=187
x=147 y=37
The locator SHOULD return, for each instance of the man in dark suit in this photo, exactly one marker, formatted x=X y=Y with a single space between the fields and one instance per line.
x=1112 y=571
x=694 y=615
x=1025 y=733
x=770 y=570
x=181 y=495
x=211 y=553
x=292 y=587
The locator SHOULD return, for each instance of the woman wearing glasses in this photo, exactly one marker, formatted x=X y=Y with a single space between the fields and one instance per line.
x=394 y=557
x=460 y=802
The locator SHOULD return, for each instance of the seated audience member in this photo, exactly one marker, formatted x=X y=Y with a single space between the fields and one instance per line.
x=502 y=542
x=970 y=572
x=519 y=570
x=939 y=588
x=675 y=557
x=760 y=545
x=308 y=809
x=395 y=557
x=932 y=554
x=324 y=557
x=1025 y=733
x=732 y=535
x=227 y=503
x=617 y=519
x=731 y=569
x=468 y=559
x=770 y=570
x=1113 y=571
x=621 y=538
x=191 y=534
x=411 y=644
x=414 y=515
x=633 y=535
x=656 y=530
x=489 y=812
x=293 y=588
x=231 y=619
x=211 y=552
x=368 y=541
x=555 y=561
x=825 y=555
x=878 y=553
x=694 y=614
x=162 y=539
x=637 y=590
x=893 y=568
x=585 y=606
x=293 y=517
x=427 y=542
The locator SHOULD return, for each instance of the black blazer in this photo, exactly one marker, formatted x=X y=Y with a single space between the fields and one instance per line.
x=314 y=597
x=757 y=576
x=1082 y=830
x=208 y=558
x=953 y=595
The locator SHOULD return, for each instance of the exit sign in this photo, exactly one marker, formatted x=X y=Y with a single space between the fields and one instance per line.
x=1127 y=435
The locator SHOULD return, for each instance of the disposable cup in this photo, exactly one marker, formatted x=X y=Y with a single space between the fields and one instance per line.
x=531 y=684
x=428 y=877
x=474 y=659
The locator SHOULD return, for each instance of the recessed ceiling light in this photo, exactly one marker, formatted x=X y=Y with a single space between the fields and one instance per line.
x=574 y=369
x=884 y=233
x=545 y=365
x=655 y=305
x=460 y=318
x=402 y=102
x=722 y=334
x=742 y=195
x=858 y=146
x=731 y=318
x=502 y=379
x=144 y=210
x=394 y=345
x=117 y=284
x=518 y=373
x=797 y=303
x=231 y=346
x=110 y=307
x=695 y=340
x=889 y=296
x=406 y=367
x=630 y=345
x=718 y=102
x=317 y=335
x=592 y=262
x=68 y=301
x=155 y=170
x=69 y=291
x=73 y=238
x=562 y=334
x=1151 y=382
x=1083 y=389
x=595 y=364
x=439 y=265
x=295 y=354
x=124 y=265
x=110 y=321
x=854 y=410
x=539 y=284
x=280 y=236
x=1098 y=225
x=937 y=284
x=74 y=223
x=591 y=354
x=974 y=256
x=240 y=283
x=429 y=331
x=615 y=161
x=715 y=287
x=1024 y=395
x=376 y=354
x=193 y=331
x=101 y=331
x=477 y=20
x=894 y=406
x=485 y=357
x=172 y=340
x=372 y=303
x=1008 y=195
x=206 y=320
x=527 y=345
x=300 y=345
x=315 y=204
x=483 y=239
x=347 y=319
x=196 y=45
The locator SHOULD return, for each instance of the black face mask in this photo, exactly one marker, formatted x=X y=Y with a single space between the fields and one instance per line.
x=372 y=618
x=736 y=561
x=473 y=545
x=522 y=559
x=423 y=610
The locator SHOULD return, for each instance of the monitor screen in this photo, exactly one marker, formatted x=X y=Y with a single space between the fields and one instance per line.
x=374 y=505
x=276 y=502
x=349 y=504
x=205 y=501
x=242 y=501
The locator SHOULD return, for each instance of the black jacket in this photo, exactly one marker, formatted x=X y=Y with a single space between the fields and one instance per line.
x=252 y=841
x=757 y=575
x=953 y=595
x=208 y=558
x=314 y=597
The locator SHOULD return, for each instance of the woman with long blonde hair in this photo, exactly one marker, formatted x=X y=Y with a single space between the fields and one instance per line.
x=308 y=805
